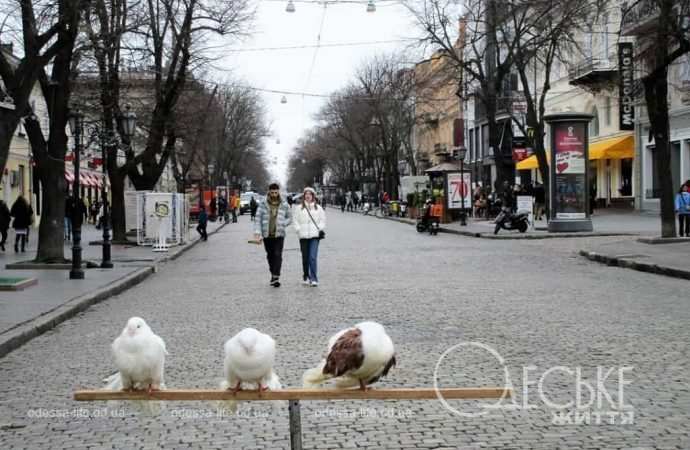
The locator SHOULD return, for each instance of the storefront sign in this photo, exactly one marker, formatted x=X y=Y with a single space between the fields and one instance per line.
x=570 y=178
x=626 y=108
x=458 y=186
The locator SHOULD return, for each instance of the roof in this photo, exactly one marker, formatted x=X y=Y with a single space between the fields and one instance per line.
x=444 y=167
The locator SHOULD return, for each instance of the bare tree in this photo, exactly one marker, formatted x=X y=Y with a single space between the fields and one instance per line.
x=469 y=35
x=662 y=44
x=165 y=40
x=47 y=32
x=539 y=33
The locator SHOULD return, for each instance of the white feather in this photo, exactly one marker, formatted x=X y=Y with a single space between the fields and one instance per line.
x=249 y=359
x=139 y=356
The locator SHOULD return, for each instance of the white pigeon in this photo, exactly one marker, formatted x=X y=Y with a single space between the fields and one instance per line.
x=249 y=358
x=139 y=356
x=357 y=356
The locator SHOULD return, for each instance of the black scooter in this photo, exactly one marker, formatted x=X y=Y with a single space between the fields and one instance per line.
x=509 y=221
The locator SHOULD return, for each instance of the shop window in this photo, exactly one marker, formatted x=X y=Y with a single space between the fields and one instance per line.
x=625 y=189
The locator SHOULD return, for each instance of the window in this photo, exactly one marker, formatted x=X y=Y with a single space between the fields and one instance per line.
x=594 y=123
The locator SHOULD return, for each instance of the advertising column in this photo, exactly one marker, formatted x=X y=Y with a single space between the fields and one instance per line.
x=569 y=189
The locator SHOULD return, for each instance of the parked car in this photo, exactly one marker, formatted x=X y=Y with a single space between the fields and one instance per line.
x=245 y=198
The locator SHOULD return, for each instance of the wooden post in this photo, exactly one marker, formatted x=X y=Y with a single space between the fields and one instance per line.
x=297 y=394
x=295 y=425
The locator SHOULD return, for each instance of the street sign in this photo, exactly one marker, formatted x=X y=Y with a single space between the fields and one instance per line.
x=459 y=186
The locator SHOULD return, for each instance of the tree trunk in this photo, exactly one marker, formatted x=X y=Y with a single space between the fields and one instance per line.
x=51 y=236
x=117 y=211
x=656 y=95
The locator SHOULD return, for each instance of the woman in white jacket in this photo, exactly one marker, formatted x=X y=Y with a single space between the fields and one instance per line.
x=309 y=220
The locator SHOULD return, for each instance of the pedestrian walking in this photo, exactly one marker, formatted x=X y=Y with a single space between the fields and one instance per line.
x=5 y=220
x=222 y=208
x=212 y=207
x=203 y=222
x=253 y=206
x=310 y=224
x=274 y=216
x=22 y=212
x=683 y=211
x=539 y=201
x=235 y=206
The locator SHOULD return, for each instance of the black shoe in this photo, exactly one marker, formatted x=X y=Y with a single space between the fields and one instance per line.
x=275 y=281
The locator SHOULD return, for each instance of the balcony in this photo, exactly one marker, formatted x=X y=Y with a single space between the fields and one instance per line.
x=639 y=17
x=592 y=71
x=441 y=150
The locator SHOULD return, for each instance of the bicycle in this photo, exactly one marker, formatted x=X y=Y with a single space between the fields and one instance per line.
x=382 y=211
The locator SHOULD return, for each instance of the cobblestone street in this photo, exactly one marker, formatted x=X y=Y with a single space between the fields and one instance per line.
x=535 y=302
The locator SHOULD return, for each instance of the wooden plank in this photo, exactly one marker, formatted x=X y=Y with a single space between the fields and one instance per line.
x=298 y=394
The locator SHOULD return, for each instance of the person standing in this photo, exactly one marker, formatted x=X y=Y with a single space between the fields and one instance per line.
x=253 y=206
x=274 y=216
x=5 y=219
x=22 y=212
x=222 y=207
x=203 y=222
x=310 y=222
x=235 y=206
x=683 y=210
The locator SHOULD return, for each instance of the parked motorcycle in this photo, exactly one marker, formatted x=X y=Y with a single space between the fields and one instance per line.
x=403 y=209
x=507 y=220
x=366 y=208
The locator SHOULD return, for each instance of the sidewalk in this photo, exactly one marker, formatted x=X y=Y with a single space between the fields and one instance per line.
x=664 y=259
x=605 y=223
x=28 y=313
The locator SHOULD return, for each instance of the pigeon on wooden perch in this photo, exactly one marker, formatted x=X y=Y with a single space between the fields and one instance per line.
x=357 y=356
x=139 y=356
x=249 y=358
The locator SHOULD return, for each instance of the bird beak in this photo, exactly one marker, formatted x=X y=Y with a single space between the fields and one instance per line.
x=131 y=331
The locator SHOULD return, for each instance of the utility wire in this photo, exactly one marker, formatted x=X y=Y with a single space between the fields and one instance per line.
x=316 y=48
x=333 y=44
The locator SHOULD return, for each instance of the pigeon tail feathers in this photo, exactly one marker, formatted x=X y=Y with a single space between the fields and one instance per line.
x=315 y=377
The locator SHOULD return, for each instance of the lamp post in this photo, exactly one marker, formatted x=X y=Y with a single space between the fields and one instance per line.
x=106 y=262
x=75 y=125
x=462 y=152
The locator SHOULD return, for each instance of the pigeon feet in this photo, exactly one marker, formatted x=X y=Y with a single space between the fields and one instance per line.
x=237 y=388
x=362 y=386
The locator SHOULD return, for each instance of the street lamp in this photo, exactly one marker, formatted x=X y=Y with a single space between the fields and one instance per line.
x=75 y=120
x=462 y=152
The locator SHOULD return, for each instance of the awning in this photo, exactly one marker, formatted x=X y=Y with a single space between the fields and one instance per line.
x=528 y=163
x=620 y=147
x=69 y=176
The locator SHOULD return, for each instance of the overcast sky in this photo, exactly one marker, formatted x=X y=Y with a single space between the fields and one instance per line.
x=289 y=70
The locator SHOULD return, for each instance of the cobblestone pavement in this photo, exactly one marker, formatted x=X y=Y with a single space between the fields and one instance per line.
x=536 y=303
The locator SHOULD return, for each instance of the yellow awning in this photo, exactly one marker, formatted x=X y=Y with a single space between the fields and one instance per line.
x=528 y=163
x=620 y=147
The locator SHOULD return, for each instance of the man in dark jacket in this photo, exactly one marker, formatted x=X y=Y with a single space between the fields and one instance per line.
x=5 y=219
x=22 y=213
x=203 y=221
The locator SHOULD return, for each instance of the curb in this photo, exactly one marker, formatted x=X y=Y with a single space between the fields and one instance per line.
x=514 y=236
x=15 y=337
x=634 y=265
x=23 y=333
